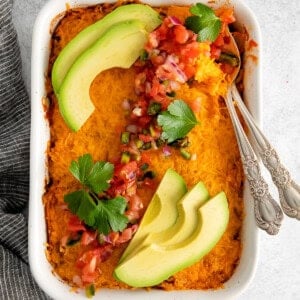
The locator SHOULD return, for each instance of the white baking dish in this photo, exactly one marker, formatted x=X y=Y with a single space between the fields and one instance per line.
x=40 y=267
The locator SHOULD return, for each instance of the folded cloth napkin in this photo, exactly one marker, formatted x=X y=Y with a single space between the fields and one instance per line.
x=15 y=278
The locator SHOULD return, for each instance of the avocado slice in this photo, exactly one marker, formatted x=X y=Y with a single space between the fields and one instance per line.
x=88 y=36
x=185 y=224
x=162 y=211
x=155 y=263
x=120 y=46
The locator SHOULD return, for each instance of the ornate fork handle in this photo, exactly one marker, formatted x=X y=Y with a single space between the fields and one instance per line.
x=289 y=191
x=268 y=214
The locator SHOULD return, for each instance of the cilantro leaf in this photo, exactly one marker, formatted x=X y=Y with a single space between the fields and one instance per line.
x=94 y=176
x=83 y=205
x=105 y=215
x=177 y=121
x=204 y=22
x=81 y=168
x=203 y=11
x=211 y=32
x=111 y=215
x=193 y=23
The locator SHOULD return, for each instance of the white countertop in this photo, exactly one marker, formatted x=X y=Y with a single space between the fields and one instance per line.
x=278 y=272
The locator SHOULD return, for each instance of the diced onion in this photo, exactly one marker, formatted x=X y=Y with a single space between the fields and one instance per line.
x=194 y=156
x=174 y=20
x=132 y=128
x=166 y=151
x=126 y=104
x=137 y=111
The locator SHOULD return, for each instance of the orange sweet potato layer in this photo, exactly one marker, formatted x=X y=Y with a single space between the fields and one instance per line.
x=217 y=165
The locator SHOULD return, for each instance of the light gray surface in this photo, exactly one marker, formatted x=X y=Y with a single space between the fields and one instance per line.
x=278 y=272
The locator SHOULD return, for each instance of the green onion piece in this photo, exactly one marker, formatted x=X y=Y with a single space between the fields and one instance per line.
x=139 y=144
x=147 y=146
x=181 y=143
x=185 y=154
x=125 y=158
x=125 y=136
x=153 y=133
x=171 y=94
x=149 y=174
x=144 y=55
x=144 y=166
x=90 y=291
x=229 y=58
x=154 y=108
x=159 y=142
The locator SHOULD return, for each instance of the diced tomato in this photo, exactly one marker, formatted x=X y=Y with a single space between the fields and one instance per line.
x=129 y=171
x=125 y=236
x=90 y=260
x=145 y=158
x=118 y=189
x=156 y=87
x=88 y=237
x=181 y=34
x=135 y=203
x=75 y=224
x=157 y=59
x=168 y=46
x=139 y=82
x=219 y=41
x=135 y=206
x=145 y=138
x=190 y=51
x=144 y=121
x=153 y=39
x=189 y=70
x=132 y=215
x=113 y=237
x=215 y=52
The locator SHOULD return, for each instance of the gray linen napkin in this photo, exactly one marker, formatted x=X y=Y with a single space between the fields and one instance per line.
x=15 y=279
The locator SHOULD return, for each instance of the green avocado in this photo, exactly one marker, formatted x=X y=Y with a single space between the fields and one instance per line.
x=120 y=46
x=186 y=222
x=162 y=211
x=156 y=262
x=87 y=37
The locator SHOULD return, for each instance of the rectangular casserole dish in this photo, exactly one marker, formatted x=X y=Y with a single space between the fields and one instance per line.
x=40 y=267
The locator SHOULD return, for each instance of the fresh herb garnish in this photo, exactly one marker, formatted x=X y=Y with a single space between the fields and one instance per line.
x=177 y=121
x=93 y=176
x=103 y=215
x=204 y=22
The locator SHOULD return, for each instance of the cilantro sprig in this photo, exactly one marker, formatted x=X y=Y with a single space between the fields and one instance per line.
x=204 y=22
x=102 y=215
x=177 y=121
x=93 y=176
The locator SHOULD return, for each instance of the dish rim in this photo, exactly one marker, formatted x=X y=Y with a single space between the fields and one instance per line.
x=39 y=265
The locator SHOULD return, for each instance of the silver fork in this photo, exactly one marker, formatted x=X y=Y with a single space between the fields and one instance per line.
x=289 y=191
x=268 y=214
